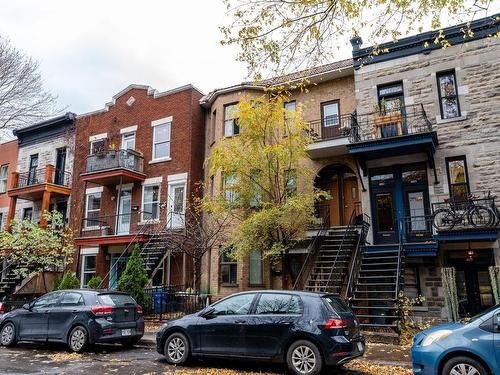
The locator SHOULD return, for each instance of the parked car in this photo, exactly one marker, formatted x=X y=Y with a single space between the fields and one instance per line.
x=305 y=330
x=463 y=348
x=76 y=317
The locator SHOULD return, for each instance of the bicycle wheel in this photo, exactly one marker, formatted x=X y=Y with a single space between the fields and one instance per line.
x=443 y=219
x=481 y=217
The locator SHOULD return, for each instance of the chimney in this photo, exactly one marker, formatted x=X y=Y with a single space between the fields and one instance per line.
x=356 y=43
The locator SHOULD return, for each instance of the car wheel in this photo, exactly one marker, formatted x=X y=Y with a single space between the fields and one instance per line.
x=176 y=349
x=8 y=334
x=130 y=343
x=463 y=366
x=304 y=358
x=78 y=339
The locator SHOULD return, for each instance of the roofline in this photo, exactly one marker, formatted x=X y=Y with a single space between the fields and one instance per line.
x=68 y=116
x=150 y=91
x=208 y=99
x=412 y=45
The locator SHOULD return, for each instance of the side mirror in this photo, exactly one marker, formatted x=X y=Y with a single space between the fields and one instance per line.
x=26 y=306
x=207 y=313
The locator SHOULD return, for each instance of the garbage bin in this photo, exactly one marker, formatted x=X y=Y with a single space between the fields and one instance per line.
x=157 y=302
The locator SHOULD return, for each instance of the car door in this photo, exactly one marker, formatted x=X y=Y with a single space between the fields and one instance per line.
x=34 y=324
x=272 y=323
x=223 y=331
x=63 y=314
x=496 y=339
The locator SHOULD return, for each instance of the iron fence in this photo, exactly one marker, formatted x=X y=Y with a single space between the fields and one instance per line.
x=170 y=302
x=332 y=127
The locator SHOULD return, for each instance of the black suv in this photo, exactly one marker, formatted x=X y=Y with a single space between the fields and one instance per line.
x=304 y=330
x=76 y=317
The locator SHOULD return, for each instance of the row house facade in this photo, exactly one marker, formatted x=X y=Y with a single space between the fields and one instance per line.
x=407 y=145
x=8 y=164
x=138 y=162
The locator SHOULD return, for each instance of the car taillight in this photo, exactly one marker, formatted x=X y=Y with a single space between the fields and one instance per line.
x=138 y=309
x=101 y=310
x=3 y=308
x=336 y=323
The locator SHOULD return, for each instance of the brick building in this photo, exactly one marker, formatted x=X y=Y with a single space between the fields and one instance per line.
x=8 y=164
x=137 y=163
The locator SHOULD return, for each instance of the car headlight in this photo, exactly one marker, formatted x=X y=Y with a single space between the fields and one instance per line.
x=435 y=336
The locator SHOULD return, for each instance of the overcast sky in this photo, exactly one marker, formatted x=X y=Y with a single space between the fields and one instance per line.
x=90 y=50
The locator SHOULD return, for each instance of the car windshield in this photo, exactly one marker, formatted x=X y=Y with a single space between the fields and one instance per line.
x=116 y=299
x=481 y=314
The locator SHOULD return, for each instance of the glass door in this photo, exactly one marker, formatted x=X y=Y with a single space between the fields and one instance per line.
x=177 y=205
x=384 y=202
x=124 y=211
x=60 y=166
x=118 y=265
x=33 y=169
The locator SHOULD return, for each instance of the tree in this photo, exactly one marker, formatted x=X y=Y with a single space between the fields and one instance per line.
x=288 y=35
x=261 y=168
x=34 y=249
x=69 y=281
x=23 y=100
x=134 y=278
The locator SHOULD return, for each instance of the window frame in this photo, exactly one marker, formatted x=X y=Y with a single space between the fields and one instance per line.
x=261 y=268
x=234 y=120
x=143 y=202
x=27 y=209
x=400 y=95
x=87 y=195
x=466 y=183
x=229 y=189
x=156 y=142
x=287 y=313
x=227 y=262
x=87 y=272
x=97 y=151
x=323 y=118
x=4 y=180
x=441 y=109
x=124 y=136
x=213 y=126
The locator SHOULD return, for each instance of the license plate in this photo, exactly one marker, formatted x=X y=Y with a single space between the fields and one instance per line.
x=126 y=332
x=360 y=346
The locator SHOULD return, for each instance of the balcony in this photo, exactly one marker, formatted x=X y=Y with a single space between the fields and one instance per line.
x=33 y=184
x=330 y=136
x=115 y=229
x=401 y=132
x=113 y=167
x=475 y=218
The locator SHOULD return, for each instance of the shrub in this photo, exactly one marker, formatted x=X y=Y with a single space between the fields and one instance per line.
x=94 y=282
x=69 y=281
x=134 y=278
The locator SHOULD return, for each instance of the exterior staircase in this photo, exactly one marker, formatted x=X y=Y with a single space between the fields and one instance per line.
x=331 y=264
x=374 y=299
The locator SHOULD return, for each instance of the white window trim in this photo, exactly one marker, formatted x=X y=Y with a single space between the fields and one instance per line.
x=98 y=189
x=143 y=220
x=176 y=180
x=179 y=177
x=6 y=166
x=89 y=251
x=130 y=129
x=91 y=227
x=164 y=121
x=125 y=186
x=83 y=272
x=123 y=139
x=98 y=137
x=153 y=180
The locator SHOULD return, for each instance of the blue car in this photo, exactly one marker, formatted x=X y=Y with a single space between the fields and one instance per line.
x=465 y=348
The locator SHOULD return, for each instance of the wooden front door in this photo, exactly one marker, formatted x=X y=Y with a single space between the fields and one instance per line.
x=334 y=202
x=350 y=196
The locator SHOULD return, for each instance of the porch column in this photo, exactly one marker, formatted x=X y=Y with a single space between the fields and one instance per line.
x=45 y=208
x=49 y=174
x=12 y=203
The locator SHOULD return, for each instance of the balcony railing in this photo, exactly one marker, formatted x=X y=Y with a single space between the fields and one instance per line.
x=378 y=125
x=332 y=127
x=42 y=176
x=113 y=159
x=109 y=225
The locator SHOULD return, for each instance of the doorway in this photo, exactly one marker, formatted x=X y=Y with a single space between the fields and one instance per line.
x=124 y=211
x=60 y=166
x=473 y=280
x=341 y=183
x=176 y=204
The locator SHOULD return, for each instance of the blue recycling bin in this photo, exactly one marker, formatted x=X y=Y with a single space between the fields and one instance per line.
x=157 y=302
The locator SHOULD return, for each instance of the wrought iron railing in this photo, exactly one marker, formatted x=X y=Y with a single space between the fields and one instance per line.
x=332 y=127
x=108 y=225
x=322 y=212
x=41 y=176
x=417 y=225
x=407 y=120
x=112 y=159
x=355 y=264
x=173 y=301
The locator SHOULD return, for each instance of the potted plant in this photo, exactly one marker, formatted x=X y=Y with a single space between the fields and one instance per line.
x=388 y=116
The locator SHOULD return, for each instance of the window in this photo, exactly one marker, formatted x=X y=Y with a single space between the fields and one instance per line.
x=46 y=301
x=128 y=141
x=161 y=141
x=278 y=304
x=412 y=282
x=330 y=114
x=72 y=299
x=448 y=96
x=92 y=209
x=97 y=146
x=3 y=178
x=228 y=268
x=150 y=202
x=229 y=184
x=33 y=168
x=256 y=197
x=255 y=268
x=231 y=120
x=28 y=213
x=213 y=126
x=291 y=106
x=88 y=269
x=457 y=178
x=391 y=97
x=237 y=305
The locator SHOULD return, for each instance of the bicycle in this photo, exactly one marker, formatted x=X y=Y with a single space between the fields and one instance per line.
x=478 y=216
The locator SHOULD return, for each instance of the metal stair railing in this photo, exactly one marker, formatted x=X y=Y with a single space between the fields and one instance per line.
x=348 y=229
x=357 y=257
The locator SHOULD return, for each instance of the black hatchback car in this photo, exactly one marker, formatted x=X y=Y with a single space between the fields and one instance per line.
x=76 y=317
x=304 y=330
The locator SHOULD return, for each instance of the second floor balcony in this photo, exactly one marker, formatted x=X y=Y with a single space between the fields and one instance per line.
x=404 y=130
x=32 y=184
x=330 y=135
x=114 y=167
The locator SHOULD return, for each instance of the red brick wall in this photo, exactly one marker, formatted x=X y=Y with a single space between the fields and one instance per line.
x=8 y=155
